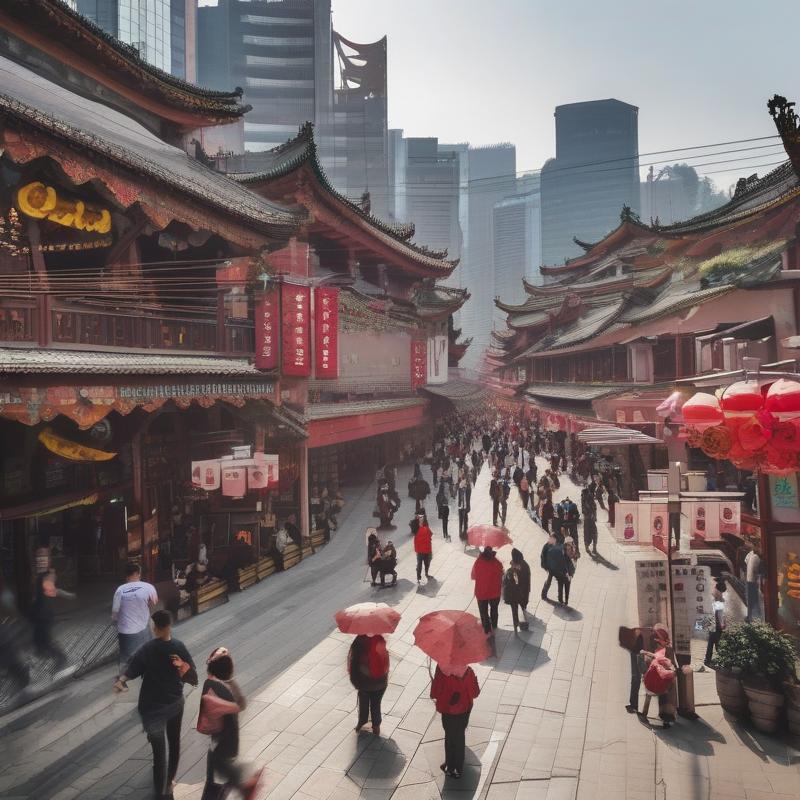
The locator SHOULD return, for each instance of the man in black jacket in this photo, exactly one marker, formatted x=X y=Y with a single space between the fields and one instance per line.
x=164 y=665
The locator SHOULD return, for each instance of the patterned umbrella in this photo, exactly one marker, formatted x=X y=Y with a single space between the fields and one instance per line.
x=369 y=619
x=488 y=536
x=452 y=638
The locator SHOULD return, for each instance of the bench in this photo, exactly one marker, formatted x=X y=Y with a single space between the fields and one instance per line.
x=210 y=595
x=307 y=550
x=265 y=566
x=246 y=577
x=291 y=555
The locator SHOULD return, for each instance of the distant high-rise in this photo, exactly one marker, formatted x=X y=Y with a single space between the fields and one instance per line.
x=163 y=31
x=280 y=53
x=425 y=185
x=594 y=174
x=517 y=241
x=492 y=178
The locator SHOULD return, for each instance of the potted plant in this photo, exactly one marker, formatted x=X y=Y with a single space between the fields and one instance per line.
x=729 y=664
x=770 y=658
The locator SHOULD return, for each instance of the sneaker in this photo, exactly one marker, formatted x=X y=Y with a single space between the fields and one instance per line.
x=454 y=774
x=631 y=709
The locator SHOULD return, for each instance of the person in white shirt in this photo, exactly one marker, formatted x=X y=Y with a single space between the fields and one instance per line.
x=133 y=603
x=752 y=563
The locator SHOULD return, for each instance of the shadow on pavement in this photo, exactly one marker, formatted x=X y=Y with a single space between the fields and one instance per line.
x=767 y=748
x=431 y=588
x=692 y=737
x=567 y=613
x=604 y=562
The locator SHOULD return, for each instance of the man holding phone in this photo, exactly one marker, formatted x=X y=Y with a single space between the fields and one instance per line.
x=164 y=664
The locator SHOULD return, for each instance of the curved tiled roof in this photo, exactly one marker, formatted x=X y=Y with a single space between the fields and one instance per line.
x=69 y=29
x=301 y=151
x=38 y=103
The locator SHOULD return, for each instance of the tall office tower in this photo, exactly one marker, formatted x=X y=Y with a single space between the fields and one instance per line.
x=461 y=152
x=163 y=31
x=492 y=177
x=358 y=157
x=517 y=242
x=280 y=53
x=594 y=174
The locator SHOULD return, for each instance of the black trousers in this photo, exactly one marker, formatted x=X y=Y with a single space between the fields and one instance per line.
x=636 y=681
x=713 y=640
x=546 y=586
x=495 y=511
x=369 y=707
x=488 y=610
x=44 y=643
x=563 y=588
x=515 y=614
x=219 y=761
x=164 y=737
x=463 y=523
x=455 y=729
x=423 y=559
x=503 y=510
x=444 y=527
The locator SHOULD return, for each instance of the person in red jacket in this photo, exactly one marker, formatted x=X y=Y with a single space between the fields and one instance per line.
x=454 y=695
x=423 y=547
x=487 y=572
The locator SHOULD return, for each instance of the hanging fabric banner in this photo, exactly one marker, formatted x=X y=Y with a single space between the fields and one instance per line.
x=264 y=475
x=296 y=340
x=206 y=475
x=659 y=527
x=326 y=330
x=233 y=481
x=266 y=330
x=626 y=522
x=730 y=518
x=419 y=363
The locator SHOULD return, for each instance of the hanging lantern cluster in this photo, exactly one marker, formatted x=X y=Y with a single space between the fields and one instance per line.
x=755 y=428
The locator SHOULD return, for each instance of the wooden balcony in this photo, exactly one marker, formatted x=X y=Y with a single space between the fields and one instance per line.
x=45 y=322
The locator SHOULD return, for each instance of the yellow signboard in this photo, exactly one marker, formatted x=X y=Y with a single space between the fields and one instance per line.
x=42 y=202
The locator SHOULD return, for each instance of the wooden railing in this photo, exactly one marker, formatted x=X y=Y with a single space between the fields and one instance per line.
x=43 y=321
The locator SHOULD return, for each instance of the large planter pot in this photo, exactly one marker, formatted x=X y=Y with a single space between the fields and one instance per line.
x=791 y=691
x=731 y=694
x=764 y=705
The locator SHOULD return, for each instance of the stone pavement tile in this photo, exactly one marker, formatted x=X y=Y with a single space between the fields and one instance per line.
x=731 y=789
x=503 y=791
x=322 y=783
x=562 y=789
x=427 y=790
x=757 y=794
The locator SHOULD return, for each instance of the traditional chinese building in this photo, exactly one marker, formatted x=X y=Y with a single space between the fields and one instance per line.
x=651 y=308
x=126 y=317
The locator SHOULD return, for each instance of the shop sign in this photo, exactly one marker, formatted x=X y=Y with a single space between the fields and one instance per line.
x=296 y=340
x=626 y=522
x=326 y=330
x=783 y=490
x=206 y=475
x=418 y=363
x=234 y=481
x=237 y=476
x=267 y=324
x=43 y=202
x=263 y=475
x=437 y=359
x=710 y=518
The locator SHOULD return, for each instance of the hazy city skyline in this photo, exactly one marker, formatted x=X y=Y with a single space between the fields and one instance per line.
x=466 y=76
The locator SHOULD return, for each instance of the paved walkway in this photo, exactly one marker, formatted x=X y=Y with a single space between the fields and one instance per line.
x=550 y=722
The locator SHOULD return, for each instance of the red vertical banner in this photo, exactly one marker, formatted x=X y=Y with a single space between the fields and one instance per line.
x=267 y=320
x=419 y=363
x=296 y=343
x=326 y=332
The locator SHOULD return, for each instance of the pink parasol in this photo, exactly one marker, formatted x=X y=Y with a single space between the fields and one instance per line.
x=452 y=638
x=369 y=619
x=488 y=536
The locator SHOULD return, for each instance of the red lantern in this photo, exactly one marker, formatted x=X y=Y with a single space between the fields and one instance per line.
x=783 y=398
x=743 y=397
x=702 y=409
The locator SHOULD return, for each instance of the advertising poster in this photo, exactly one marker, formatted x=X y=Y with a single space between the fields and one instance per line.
x=787 y=560
x=296 y=340
x=651 y=592
x=691 y=587
x=626 y=522
x=326 y=332
x=206 y=475
x=266 y=330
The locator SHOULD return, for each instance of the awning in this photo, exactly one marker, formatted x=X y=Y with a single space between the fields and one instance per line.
x=612 y=435
x=757 y=329
x=462 y=394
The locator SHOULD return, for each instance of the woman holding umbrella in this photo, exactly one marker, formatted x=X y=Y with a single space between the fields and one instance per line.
x=368 y=658
x=453 y=639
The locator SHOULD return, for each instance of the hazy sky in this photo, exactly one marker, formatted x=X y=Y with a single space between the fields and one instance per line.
x=485 y=71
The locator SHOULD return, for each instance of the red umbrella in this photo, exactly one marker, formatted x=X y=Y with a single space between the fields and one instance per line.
x=488 y=536
x=370 y=619
x=452 y=637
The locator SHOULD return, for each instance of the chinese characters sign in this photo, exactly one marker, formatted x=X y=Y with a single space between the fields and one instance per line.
x=437 y=359
x=419 y=365
x=266 y=328
x=326 y=329
x=296 y=314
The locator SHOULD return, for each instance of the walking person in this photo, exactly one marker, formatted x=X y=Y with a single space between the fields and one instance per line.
x=633 y=640
x=131 y=607
x=454 y=692
x=495 y=493
x=222 y=700
x=543 y=561
x=589 y=510
x=505 y=486
x=463 y=502
x=752 y=564
x=423 y=547
x=524 y=491
x=517 y=588
x=562 y=568
x=164 y=664
x=368 y=668
x=43 y=615
x=443 y=504
x=487 y=572
x=719 y=619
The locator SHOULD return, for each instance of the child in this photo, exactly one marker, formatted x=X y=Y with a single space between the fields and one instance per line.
x=225 y=743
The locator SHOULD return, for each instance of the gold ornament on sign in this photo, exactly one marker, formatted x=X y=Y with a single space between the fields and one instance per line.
x=42 y=202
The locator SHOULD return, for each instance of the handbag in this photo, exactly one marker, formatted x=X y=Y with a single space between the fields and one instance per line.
x=212 y=709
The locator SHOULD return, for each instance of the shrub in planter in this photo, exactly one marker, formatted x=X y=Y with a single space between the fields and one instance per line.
x=729 y=664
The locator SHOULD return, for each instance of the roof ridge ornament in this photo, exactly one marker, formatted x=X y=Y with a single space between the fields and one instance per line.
x=788 y=124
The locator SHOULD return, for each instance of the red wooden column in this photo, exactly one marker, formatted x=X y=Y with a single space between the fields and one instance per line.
x=305 y=521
